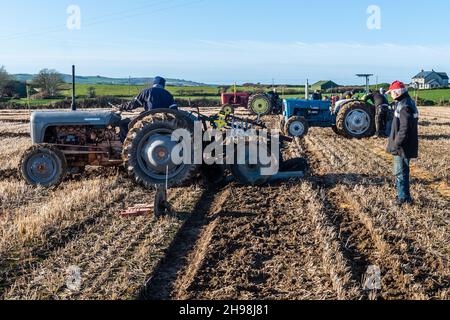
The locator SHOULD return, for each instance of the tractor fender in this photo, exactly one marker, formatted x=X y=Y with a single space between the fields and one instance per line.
x=176 y=113
x=341 y=103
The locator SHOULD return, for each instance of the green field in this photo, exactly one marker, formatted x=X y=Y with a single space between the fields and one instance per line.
x=126 y=91
x=439 y=96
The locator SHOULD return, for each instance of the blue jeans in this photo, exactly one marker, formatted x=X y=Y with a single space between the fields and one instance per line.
x=402 y=173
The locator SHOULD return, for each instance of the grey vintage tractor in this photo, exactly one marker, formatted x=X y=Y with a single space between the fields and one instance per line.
x=66 y=142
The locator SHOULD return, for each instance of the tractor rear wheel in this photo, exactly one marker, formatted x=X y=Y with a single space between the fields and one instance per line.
x=43 y=165
x=356 y=120
x=296 y=127
x=260 y=104
x=148 y=150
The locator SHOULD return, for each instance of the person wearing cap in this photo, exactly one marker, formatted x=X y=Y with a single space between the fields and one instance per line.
x=404 y=139
x=348 y=95
x=381 y=103
x=156 y=97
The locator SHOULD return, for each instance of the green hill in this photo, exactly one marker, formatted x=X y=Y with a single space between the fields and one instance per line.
x=116 y=81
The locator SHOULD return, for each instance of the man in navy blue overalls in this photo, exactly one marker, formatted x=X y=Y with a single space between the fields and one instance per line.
x=156 y=97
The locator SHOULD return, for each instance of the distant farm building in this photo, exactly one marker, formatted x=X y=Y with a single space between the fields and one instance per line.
x=324 y=85
x=430 y=80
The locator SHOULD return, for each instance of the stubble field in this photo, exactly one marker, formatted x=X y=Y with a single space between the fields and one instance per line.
x=309 y=239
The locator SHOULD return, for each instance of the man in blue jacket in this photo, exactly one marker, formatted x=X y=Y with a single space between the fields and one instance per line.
x=156 y=97
x=404 y=139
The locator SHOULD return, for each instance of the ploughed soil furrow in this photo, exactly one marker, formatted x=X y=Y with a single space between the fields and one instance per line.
x=345 y=156
x=258 y=252
x=183 y=254
x=345 y=232
x=266 y=243
x=408 y=268
x=365 y=244
x=9 y=174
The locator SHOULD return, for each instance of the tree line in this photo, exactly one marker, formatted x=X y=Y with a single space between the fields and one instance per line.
x=46 y=84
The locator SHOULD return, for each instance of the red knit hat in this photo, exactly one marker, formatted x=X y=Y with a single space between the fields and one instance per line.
x=397 y=86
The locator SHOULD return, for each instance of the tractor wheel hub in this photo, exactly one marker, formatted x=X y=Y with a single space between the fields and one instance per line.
x=296 y=129
x=158 y=153
x=260 y=106
x=358 y=122
x=41 y=168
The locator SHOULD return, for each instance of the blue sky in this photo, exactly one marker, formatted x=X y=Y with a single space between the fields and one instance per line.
x=219 y=41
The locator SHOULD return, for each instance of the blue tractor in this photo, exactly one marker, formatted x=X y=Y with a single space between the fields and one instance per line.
x=348 y=118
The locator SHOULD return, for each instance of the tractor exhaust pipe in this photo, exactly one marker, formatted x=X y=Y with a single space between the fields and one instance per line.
x=307 y=90
x=74 y=106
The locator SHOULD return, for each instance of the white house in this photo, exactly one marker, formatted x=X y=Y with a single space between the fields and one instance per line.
x=430 y=80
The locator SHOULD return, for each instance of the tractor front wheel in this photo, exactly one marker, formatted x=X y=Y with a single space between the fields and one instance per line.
x=296 y=127
x=43 y=165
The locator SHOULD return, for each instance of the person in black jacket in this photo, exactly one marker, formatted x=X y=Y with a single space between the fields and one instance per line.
x=404 y=139
x=156 y=97
x=381 y=104
x=317 y=95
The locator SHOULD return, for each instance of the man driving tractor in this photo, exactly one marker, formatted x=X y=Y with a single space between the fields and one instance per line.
x=156 y=97
x=381 y=103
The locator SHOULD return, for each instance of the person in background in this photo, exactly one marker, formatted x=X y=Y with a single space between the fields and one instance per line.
x=381 y=103
x=334 y=99
x=156 y=97
x=317 y=95
x=404 y=139
x=348 y=95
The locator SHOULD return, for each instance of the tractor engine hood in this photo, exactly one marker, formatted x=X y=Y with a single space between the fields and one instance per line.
x=40 y=121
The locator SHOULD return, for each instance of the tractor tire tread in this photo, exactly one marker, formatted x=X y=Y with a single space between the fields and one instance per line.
x=341 y=116
x=130 y=162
